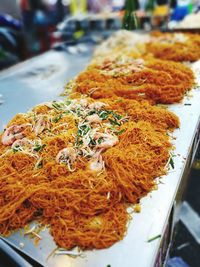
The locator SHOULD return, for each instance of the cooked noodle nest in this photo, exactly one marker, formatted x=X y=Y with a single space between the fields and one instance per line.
x=78 y=164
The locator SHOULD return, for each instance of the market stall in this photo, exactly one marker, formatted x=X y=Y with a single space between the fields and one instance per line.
x=149 y=232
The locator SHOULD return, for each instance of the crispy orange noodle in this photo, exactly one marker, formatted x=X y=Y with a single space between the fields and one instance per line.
x=175 y=46
x=123 y=76
x=78 y=164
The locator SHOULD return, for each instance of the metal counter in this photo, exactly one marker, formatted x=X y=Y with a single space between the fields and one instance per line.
x=41 y=79
x=37 y=80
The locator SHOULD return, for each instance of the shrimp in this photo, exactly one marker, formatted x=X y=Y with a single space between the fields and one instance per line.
x=40 y=125
x=20 y=143
x=26 y=146
x=108 y=140
x=93 y=118
x=84 y=102
x=97 y=164
x=12 y=133
x=97 y=105
x=67 y=156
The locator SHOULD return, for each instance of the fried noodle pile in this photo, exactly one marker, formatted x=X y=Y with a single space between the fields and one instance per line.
x=123 y=76
x=77 y=164
x=174 y=46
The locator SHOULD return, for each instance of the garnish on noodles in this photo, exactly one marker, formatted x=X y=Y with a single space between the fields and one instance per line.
x=175 y=46
x=77 y=164
x=123 y=76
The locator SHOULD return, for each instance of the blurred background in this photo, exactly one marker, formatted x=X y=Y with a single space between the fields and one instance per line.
x=30 y=27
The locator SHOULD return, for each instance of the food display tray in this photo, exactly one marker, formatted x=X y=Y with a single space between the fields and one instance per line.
x=42 y=79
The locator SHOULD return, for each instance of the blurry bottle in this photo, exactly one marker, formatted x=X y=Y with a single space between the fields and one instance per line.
x=149 y=7
x=130 y=20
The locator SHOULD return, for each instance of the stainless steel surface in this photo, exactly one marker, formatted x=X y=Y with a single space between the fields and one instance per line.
x=16 y=259
x=22 y=88
x=37 y=80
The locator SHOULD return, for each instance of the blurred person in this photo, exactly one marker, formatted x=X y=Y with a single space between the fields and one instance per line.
x=98 y=6
x=35 y=21
x=29 y=9
x=11 y=38
x=60 y=11
x=27 y=14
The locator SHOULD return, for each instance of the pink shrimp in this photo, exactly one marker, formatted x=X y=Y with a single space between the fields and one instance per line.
x=97 y=105
x=20 y=142
x=94 y=118
x=109 y=140
x=66 y=155
x=12 y=134
x=97 y=164
x=40 y=125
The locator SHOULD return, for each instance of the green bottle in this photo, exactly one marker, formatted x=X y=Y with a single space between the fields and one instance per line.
x=150 y=6
x=130 y=20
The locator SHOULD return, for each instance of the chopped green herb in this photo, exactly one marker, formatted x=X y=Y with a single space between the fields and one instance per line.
x=57 y=105
x=120 y=132
x=80 y=153
x=78 y=112
x=38 y=147
x=171 y=162
x=187 y=104
x=114 y=122
x=100 y=140
x=56 y=119
x=91 y=112
x=116 y=116
x=153 y=238
x=34 y=117
x=92 y=142
x=83 y=130
x=78 y=142
x=104 y=114
x=108 y=265
x=68 y=102
x=16 y=149
x=39 y=164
